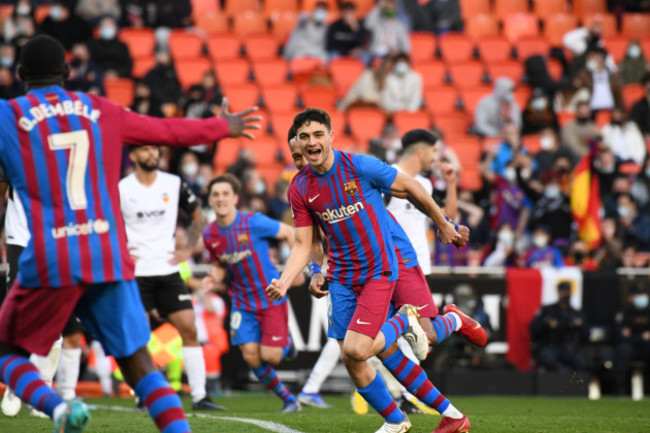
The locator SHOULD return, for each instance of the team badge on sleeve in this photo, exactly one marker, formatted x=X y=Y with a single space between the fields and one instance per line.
x=350 y=188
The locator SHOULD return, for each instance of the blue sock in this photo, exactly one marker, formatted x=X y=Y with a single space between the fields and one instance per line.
x=415 y=380
x=24 y=379
x=162 y=403
x=393 y=328
x=444 y=325
x=267 y=375
x=378 y=397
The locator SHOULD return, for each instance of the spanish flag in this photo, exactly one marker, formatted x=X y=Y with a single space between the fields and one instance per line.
x=585 y=202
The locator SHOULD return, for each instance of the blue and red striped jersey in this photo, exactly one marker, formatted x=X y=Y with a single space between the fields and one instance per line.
x=347 y=204
x=61 y=152
x=242 y=249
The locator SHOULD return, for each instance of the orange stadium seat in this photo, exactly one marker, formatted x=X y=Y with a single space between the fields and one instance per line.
x=227 y=152
x=321 y=97
x=616 y=46
x=281 y=97
x=555 y=68
x=603 y=117
x=282 y=25
x=645 y=45
x=471 y=96
x=564 y=117
x=270 y=71
x=636 y=25
x=271 y=173
x=522 y=95
x=280 y=123
x=201 y=7
x=607 y=21
x=6 y=11
x=453 y=124
x=305 y=65
x=184 y=45
x=345 y=72
x=433 y=73
x=556 y=26
x=518 y=25
x=494 y=49
x=469 y=73
x=366 y=123
x=455 y=47
x=442 y=99
x=274 y=7
x=212 y=23
x=587 y=7
x=406 y=120
x=338 y=121
x=265 y=147
x=509 y=68
x=423 y=46
x=249 y=22
x=503 y=8
x=471 y=179
x=631 y=94
x=532 y=45
x=547 y=8
x=232 y=71
x=532 y=143
x=236 y=7
x=120 y=91
x=41 y=12
x=142 y=65
x=481 y=25
x=242 y=96
x=141 y=42
x=191 y=71
x=471 y=8
x=468 y=149
x=224 y=46
x=346 y=144
x=261 y=46
x=309 y=5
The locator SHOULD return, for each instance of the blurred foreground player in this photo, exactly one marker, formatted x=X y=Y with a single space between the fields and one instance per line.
x=61 y=152
x=238 y=242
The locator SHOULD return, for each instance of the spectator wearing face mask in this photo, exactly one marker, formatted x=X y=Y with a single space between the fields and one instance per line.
x=604 y=85
x=623 y=138
x=388 y=35
x=640 y=113
x=580 y=41
x=538 y=114
x=11 y=28
x=634 y=66
x=496 y=109
x=85 y=76
x=109 y=53
x=403 y=90
x=552 y=209
x=504 y=253
x=163 y=80
x=94 y=10
x=8 y=56
x=308 y=38
x=579 y=256
x=189 y=171
x=634 y=225
x=367 y=90
x=542 y=254
x=633 y=326
x=347 y=36
x=499 y=157
x=550 y=151
x=65 y=26
x=641 y=187
x=577 y=133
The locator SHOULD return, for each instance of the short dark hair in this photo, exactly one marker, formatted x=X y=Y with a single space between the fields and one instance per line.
x=226 y=178
x=564 y=285
x=401 y=56
x=312 y=115
x=42 y=57
x=291 y=134
x=348 y=6
x=415 y=136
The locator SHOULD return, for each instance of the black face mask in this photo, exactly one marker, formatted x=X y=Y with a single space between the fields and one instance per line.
x=593 y=41
x=578 y=257
x=617 y=122
x=583 y=120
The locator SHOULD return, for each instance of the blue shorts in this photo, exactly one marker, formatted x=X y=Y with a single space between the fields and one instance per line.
x=269 y=327
x=360 y=308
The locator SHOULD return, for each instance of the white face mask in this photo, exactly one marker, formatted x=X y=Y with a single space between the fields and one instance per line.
x=539 y=104
x=401 y=68
x=395 y=144
x=510 y=174
x=6 y=61
x=540 y=241
x=23 y=10
x=190 y=169
x=624 y=211
x=56 y=12
x=107 y=32
x=641 y=301
x=592 y=65
x=526 y=173
x=546 y=142
x=506 y=238
x=260 y=187
x=552 y=191
x=634 y=51
x=320 y=15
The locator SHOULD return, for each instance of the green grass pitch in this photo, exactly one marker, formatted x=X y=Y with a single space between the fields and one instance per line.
x=487 y=415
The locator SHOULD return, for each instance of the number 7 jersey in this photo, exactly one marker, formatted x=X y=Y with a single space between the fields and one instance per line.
x=62 y=153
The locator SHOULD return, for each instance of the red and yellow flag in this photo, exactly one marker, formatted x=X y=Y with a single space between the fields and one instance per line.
x=586 y=203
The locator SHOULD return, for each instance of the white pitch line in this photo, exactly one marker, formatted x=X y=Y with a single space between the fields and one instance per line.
x=266 y=425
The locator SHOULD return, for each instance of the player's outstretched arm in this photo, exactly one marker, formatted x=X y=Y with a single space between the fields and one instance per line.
x=295 y=263
x=286 y=233
x=404 y=183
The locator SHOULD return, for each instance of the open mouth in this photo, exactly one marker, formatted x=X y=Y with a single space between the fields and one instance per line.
x=314 y=153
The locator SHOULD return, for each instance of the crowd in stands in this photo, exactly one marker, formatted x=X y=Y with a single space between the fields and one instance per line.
x=518 y=91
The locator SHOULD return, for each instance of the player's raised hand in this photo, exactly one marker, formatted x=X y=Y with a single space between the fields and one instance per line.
x=448 y=173
x=240 y=123
x=316 y=284
x=276 y=289
x=464 y=236
x=448 y=234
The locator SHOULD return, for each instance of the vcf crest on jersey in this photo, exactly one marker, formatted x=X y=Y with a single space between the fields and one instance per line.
x=350 y=188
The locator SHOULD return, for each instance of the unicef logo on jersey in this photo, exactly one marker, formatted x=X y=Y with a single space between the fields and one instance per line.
x=99 y=227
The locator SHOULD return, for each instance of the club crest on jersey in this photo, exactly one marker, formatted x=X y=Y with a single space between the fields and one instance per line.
x=242 y=239
x=350 y=188
x=165 y=197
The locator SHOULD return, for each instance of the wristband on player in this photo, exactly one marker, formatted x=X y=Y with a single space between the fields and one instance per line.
x=315 y=269
x=451 y=221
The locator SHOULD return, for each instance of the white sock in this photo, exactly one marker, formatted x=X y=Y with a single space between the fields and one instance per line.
x=394 y=387
x=47 y=364
x=329 y=357
x=102 y=368
x=458 y=322
x=452 y=412
x=68 y=373
x=405 y=347
x=195 y=370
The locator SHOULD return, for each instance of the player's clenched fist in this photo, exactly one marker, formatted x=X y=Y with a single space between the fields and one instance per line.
x=464 y=236
x=316 y=286
x=276 y=289
x=448 y=234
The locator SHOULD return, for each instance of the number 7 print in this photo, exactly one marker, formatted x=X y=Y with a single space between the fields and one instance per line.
x=78 y=143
